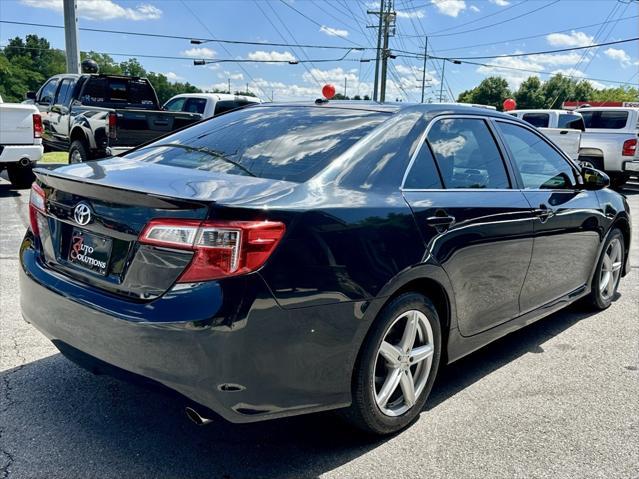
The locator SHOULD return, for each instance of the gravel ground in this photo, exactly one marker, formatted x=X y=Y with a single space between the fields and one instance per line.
x=557 y=399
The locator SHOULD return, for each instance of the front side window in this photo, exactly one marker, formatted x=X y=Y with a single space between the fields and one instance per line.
x=603 y=119
x=539 y=164
x=48 y=92
x=538 y=120
x=466 y=154
x=175 y=105
x=281 y=143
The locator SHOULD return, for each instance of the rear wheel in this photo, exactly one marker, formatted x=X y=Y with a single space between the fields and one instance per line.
x=591 y=162
x=608 y=272
x=397 y=366
x=20 y=176
x=618 y=180
x=78 y=152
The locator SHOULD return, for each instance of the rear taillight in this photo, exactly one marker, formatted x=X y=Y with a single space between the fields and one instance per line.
x=37 y=125
x=36 y=205
x=629 y=147
x=221 y=248
x=112 y=123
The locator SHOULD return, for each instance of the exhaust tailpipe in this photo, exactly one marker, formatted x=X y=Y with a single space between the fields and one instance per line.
x=24 y=162
x=194 y=416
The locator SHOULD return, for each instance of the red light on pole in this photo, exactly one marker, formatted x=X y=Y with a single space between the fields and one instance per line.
x=328 y=91
x=509 y=104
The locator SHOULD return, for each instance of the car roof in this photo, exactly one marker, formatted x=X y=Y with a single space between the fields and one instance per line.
x=433 y=108
x=607 y=108
x=216 y=96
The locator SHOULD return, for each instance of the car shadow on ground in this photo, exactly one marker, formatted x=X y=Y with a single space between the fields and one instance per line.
x=58 y=418
x=7 y=190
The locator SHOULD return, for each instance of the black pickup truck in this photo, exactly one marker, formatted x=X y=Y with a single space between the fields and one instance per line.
x=92 y=116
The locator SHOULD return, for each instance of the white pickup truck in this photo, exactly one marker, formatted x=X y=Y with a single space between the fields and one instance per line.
x=563 y=127
x=610 y=141
x=20 y=141
x=208 y=104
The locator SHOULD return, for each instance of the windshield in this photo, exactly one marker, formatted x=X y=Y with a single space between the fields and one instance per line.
x=281 y=143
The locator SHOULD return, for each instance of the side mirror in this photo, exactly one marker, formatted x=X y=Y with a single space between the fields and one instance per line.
x=594 y=179
x=30 y=95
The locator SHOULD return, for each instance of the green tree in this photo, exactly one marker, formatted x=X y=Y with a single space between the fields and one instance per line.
x=491 y=91
x=621 y=93
x=166 y=89
x=132 y=68
x=558 y=89
x=530 y=94
x=583 y=91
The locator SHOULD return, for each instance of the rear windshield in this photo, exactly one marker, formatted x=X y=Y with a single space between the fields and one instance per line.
x=574 y=122
x=118 y=92
x=281 y=143
x=539 y=120
x=608 y=120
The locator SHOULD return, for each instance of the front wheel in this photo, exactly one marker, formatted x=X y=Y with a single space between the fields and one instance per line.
x=397 y=366
x=608 y=272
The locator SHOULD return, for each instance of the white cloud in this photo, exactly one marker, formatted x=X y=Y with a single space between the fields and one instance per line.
x=333 y=32
x=474 y=8
x=173 y=76
x=230 y=75
x=452 y=8
x=200 y=52
x=620 y=55
x=102 y=9
x=410 y=14
x=501 y=3
x=574 y=39
x=271 y=56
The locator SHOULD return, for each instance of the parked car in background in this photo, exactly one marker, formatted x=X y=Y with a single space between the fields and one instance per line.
x=95 y=115
x=208 y=104
x=561 y=126
x=291 y=258
x=610 y=141
x=20 y=141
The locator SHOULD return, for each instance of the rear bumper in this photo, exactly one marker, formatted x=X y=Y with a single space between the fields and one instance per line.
x=275 y=362
x=14 y=153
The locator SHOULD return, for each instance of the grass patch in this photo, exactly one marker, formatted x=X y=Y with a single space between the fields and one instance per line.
x=55 y=157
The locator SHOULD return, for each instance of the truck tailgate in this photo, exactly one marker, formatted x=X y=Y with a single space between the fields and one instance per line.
x=134 y=127
x=16 y=124
x=566 y=139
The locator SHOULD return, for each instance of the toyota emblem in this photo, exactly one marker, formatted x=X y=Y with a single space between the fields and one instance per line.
x=82 y=214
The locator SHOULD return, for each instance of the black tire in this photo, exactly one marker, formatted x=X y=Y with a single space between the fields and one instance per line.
x=78 y=152
x=20 y=176
x=364 y=412
x=596 y=300
x=618 y=180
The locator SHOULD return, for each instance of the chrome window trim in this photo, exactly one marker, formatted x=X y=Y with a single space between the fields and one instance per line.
x=422 y=141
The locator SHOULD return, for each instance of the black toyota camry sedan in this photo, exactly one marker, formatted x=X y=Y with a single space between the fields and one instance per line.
x=290 y=258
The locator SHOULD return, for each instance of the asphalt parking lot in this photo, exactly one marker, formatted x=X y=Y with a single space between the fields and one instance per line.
x=557 y=399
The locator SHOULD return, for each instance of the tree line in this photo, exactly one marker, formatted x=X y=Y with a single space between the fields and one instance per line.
x=26 y=64
x=533 y=93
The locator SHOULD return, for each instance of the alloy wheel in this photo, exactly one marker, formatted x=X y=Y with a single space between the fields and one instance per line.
x=403 y=363
x=76 y=157
x=610 y=269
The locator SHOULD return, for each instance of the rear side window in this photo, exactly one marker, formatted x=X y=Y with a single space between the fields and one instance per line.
x=65 y=91
x=115 y=91
x=466 y=154
x=538 y=120
x=573 y=122
x=423 y=174
x=282 y=143
x=538 y=163
x=607 y=120
x=194 y=105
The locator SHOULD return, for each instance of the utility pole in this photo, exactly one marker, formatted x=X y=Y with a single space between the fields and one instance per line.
x=379 y=45
x=72 y=49
x=424 y=71
x=229 y=85
x=344 y=88
x=389 y=28
x=441 y=86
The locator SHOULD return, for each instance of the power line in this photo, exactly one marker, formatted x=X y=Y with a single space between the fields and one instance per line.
x=479 y=19
x=179 y=37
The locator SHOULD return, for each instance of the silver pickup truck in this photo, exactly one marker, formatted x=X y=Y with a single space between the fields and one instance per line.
x=563 y=127
x=610 y=141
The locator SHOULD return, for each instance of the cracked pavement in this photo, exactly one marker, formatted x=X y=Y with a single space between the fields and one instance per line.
x=557 y=399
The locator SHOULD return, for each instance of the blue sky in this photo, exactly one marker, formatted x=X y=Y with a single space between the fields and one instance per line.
x=456 y=29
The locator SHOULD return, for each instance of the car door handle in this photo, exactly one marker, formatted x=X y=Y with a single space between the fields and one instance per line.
x=440 y=222
x=543 y=213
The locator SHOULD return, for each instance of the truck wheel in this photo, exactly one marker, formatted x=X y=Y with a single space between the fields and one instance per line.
x=618 y=180
x=78 y=153
x=21 y=174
